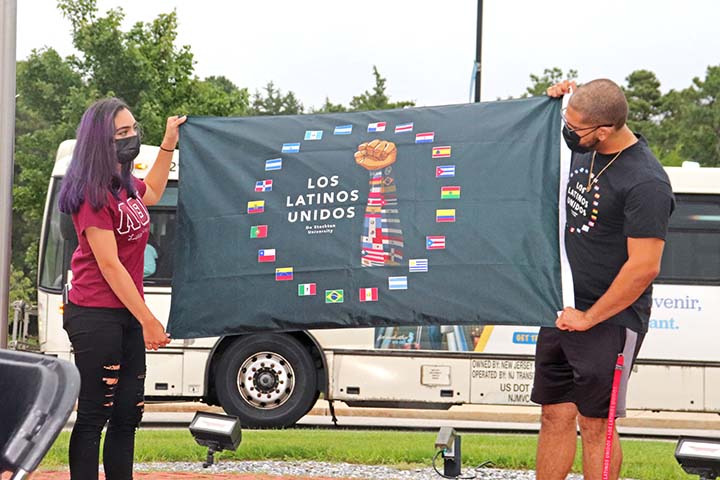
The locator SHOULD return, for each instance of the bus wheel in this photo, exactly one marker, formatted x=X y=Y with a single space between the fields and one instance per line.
x=267 y=380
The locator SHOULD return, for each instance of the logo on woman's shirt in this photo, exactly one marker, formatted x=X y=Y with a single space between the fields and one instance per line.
x=133 y=217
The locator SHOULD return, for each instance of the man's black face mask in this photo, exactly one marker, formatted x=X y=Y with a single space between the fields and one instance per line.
x=572 y=140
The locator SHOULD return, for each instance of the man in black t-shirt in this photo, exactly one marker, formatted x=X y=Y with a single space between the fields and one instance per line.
x=618 y=203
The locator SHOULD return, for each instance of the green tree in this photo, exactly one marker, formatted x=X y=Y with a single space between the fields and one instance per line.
x=143 y=66
x=550 y=76
x=217 y=96
x=644 y=101
x=48 y=90
x=669 y=134
x=698 y=119
x=377 y=99
x=273 y=102
x=646 y=111
x=329 y=107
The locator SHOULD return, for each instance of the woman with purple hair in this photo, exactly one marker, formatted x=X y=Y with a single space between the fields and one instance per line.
x=105 y=315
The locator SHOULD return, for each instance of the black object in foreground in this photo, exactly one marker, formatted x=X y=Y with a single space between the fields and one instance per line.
x=37 y=394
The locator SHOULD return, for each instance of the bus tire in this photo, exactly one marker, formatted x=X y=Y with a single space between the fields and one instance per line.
x=267 y=380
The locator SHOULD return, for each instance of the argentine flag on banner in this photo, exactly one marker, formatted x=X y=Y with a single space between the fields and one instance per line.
x=435 y=215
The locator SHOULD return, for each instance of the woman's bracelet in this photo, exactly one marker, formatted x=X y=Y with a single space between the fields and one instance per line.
x=166 y=150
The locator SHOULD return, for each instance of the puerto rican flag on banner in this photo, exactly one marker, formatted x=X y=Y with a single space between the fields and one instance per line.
x=435 y=242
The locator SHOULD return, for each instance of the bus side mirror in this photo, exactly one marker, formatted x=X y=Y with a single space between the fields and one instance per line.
x=70 y=241
x=67 y=229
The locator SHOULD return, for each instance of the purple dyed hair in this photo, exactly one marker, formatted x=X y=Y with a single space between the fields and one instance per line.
x=93 y=170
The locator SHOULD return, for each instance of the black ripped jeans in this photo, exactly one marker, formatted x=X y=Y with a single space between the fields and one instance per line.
x=110 y=354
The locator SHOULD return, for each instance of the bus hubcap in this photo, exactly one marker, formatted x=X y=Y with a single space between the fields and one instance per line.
x=266 y=380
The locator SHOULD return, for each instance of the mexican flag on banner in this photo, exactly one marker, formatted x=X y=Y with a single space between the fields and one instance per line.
x=436 y=215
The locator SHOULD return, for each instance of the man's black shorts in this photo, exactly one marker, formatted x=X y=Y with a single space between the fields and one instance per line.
x=578 y=367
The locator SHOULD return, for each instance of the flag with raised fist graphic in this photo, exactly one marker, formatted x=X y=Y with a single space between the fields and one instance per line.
x=435 y=215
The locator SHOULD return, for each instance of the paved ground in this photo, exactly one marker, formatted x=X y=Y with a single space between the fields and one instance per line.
x=174 y=476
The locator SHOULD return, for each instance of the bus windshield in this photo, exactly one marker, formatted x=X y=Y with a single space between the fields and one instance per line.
x=60 y=242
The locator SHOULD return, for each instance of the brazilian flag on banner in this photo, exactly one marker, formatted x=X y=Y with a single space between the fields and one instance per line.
x=438 y=215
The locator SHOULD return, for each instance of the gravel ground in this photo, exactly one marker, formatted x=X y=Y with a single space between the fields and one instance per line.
x=335 y=470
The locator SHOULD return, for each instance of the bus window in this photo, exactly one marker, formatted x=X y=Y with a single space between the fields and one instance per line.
x=55 y=251
x=692 y=250
x=162 y=237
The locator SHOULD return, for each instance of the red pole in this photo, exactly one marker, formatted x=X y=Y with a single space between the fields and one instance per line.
x=611 y=416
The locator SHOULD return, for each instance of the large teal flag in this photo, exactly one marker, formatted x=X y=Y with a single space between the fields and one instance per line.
x=439 y=215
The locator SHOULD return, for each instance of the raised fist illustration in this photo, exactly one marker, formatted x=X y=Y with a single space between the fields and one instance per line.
x=382 y=239
x=376 y=155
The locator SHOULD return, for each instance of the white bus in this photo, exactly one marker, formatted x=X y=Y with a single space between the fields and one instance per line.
x=273 y=379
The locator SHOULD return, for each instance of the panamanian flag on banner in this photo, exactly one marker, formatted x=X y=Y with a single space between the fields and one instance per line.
x=376 y=127
x=385 y=219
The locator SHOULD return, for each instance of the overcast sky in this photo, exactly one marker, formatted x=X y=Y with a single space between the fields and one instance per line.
x=425 y=48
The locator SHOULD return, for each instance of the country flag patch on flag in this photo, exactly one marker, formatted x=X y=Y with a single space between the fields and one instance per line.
x=313 y=134
x=343 y=130
x=441 y=152
x=418 y=265
x=273 y=164
x=307 y=289
x=449 y=192
x=445 y=171
x=334 y=296
x=397 y=283
x=376 y=127
x=263 y=186
x=435 y=242
x=266 y=255
x=283 y=274
x=427 y=137
x=290 y=148
x=258 y=231
x=368 y=294
x=256 y=206
x=405 y=127
x=445 y=215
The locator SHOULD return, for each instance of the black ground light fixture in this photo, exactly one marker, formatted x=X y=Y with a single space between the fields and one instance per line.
x=447 y=444
x=216 y=432
x=699 y=456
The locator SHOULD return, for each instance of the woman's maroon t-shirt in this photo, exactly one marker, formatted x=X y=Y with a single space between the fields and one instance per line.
x=128 y=218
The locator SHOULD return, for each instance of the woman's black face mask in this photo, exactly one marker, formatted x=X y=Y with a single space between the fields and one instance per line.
x=128 y=149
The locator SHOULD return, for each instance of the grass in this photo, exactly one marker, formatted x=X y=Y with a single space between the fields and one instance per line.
x=645 y=460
